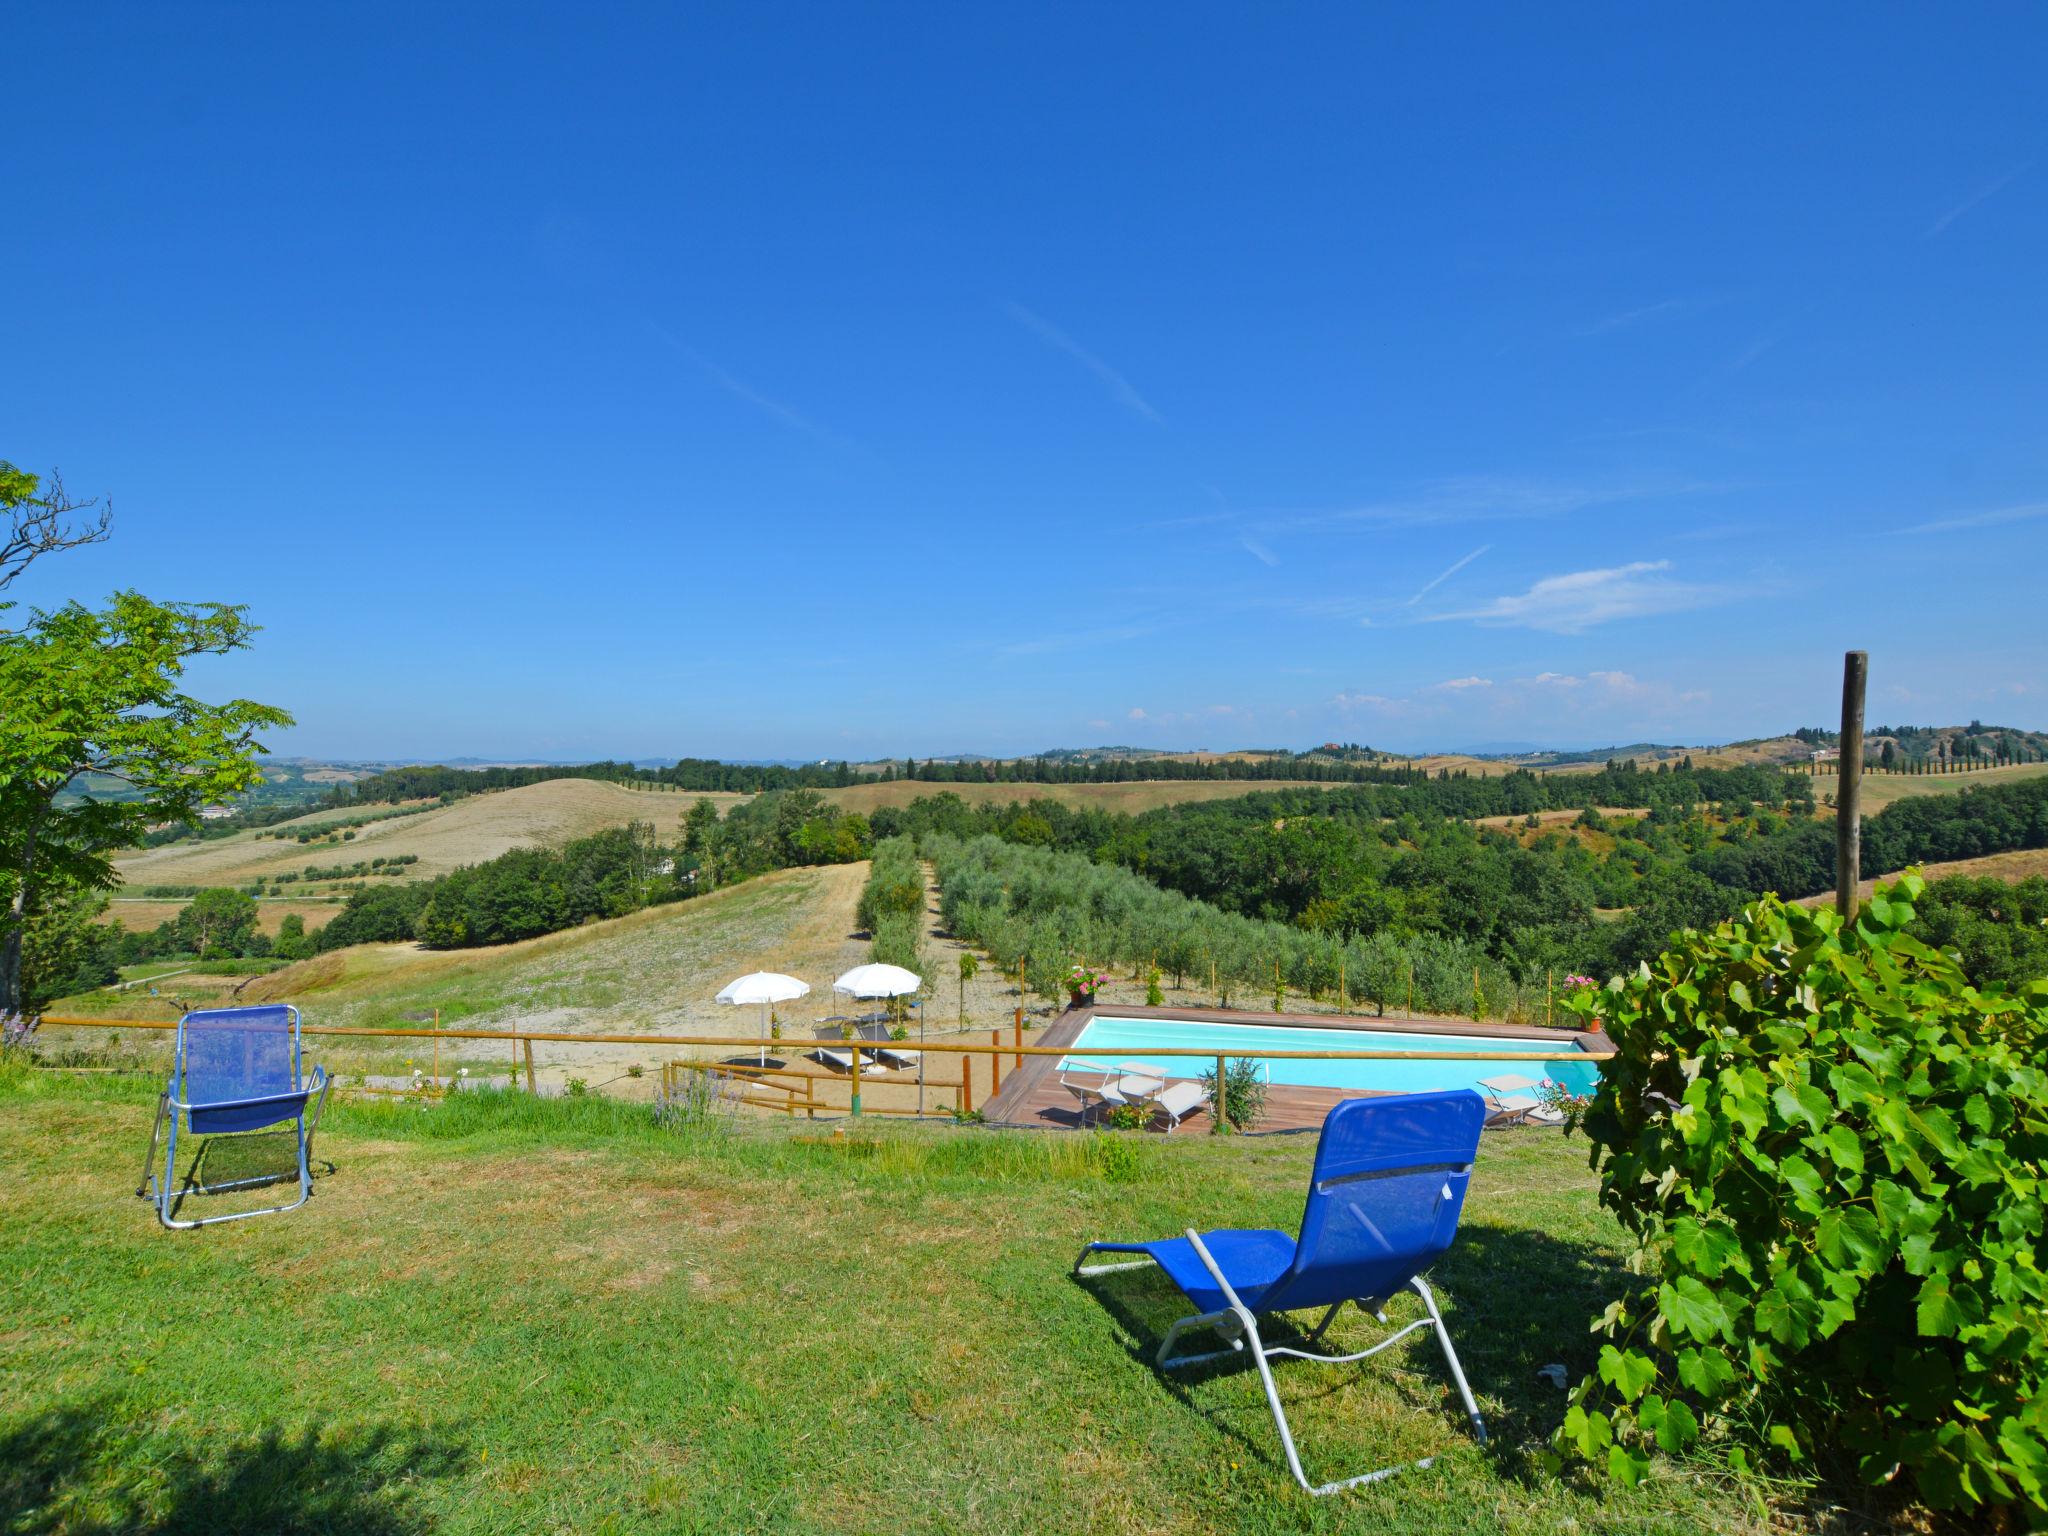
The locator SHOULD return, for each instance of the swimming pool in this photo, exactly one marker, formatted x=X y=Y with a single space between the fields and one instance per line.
x=1108 y=1041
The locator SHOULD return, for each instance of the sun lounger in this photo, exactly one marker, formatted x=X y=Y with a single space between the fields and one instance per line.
x=1510 y=1102
x=1094 y=1088
x=1383 y=1203
x=1127 y=1085
x=883 y=1051
x=1176 y=1100
x=839 y=1055
x=233 y=1071
x=1136 y=1079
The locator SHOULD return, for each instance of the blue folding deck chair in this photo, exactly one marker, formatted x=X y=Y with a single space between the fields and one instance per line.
x=233 y=1070
x=1383 y=1204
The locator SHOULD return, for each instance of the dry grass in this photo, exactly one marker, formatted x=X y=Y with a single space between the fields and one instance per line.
x=2010 y=867
x=655 y=971
x=141 y=915
x=466 y=832
x=1549 y=819
x=1883 y=789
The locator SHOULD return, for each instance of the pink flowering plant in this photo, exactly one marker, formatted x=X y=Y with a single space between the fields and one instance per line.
x=1084 y=981
x=1582 y=996
x=1560 y=1097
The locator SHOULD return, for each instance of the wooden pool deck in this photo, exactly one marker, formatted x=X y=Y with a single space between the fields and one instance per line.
x=1032 y=1096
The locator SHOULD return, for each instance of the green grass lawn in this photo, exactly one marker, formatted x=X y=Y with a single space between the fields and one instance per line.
x=507 y=1315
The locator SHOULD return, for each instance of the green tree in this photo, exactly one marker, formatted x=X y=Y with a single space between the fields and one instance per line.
x=67 y=949
x=219 y=921
x=292 y=943
x=96 y=693
x=698 y=821
x=970 y=967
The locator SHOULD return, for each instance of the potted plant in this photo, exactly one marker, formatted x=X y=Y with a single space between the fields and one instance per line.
x=1083 y=982
x=1579 y=992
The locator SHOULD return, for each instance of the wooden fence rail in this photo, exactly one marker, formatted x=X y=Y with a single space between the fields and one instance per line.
x=939 y=1047
x=755 y=1081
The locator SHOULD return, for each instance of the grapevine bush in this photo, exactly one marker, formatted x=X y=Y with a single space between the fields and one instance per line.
x=1830 y=1146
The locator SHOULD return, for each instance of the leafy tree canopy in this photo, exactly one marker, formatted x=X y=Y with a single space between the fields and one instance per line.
x=97 y=692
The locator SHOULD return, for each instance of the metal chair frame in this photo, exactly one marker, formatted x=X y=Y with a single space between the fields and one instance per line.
x=163 y=1190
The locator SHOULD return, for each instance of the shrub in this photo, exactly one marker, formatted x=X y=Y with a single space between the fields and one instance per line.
x=895 y=885
x=1830 y=1147
x=1244 y=1092
x=898 y=941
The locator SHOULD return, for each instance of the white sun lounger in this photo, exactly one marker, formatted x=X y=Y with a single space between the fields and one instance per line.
x=1127 y=1085
x=1175 y=1101
x=838 y=1054
x=1509 y=1101
x=874 y=1039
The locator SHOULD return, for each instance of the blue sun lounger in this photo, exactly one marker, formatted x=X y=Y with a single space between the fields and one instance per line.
x=1383 y=1203
x=232 y=1070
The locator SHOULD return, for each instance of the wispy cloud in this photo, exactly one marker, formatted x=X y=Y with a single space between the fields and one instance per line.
x=1990 y=519
x=1258 y=551
x=1446 y=574
x=1067 y=640
x=1470 y=499
x=1740 y=362
x=1627 y=317
x=1573 y=603
x=1348 y=701
x=1548 y=697
x=740 y=389
x=1120 y=388
x=1988 y=190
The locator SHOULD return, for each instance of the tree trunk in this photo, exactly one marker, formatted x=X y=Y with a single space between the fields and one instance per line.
x=17 y=920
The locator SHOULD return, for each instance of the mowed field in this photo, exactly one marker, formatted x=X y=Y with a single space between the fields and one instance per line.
x=466 y=832
x=141 y=916
x=1883 y=789
x=498 y=1315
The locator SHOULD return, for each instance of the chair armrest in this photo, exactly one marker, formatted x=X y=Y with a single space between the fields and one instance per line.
x=250 y=1103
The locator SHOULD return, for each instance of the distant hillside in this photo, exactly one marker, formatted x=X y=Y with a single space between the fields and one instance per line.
x=348 y=846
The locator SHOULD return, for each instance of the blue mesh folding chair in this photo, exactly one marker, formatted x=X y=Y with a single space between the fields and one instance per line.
x=233 y=1070
x=1383 y=1204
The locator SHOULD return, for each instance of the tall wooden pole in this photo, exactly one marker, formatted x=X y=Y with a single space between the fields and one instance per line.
x=1848 y=820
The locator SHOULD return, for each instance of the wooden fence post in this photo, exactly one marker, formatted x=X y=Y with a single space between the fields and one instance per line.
x=1848 y=820
x=966 y=1084
x=531 y=1086
x=856 y=1081
x=1017 y=1039
x=995 y=1062
x=1218 y=1125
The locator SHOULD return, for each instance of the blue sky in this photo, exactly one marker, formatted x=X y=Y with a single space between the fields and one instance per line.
x=832 y=380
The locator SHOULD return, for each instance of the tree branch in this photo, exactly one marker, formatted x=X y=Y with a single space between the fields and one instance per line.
x=45 y=524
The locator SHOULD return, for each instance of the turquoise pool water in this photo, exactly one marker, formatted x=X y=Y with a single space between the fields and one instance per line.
x=1111 y=1042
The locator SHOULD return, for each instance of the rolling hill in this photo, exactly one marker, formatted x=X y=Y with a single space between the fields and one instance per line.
x=466 y=831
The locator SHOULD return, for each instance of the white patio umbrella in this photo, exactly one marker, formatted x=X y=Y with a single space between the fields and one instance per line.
x=765 y=988
x=878 y=980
